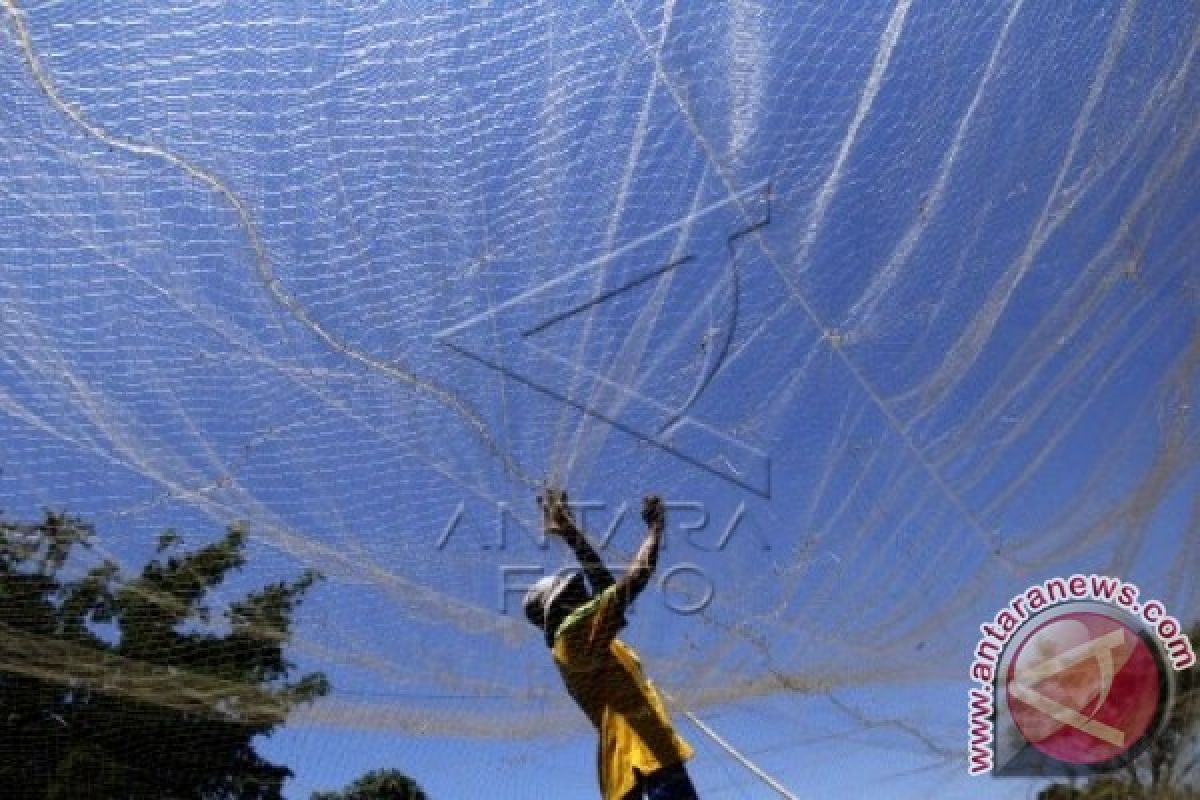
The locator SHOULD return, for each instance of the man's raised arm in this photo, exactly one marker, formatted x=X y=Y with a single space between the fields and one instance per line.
x=654 y=514
x=558 y=520
x=610 y=618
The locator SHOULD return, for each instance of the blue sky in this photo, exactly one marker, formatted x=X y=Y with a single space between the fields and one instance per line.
x=893 y=300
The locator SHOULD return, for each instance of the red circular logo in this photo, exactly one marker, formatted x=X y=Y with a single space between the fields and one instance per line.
x=1084 y=688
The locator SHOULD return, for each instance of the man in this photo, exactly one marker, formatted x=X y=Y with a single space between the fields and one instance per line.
x=640 y=755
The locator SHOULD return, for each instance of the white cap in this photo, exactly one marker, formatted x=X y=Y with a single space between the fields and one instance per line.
x=542 y=596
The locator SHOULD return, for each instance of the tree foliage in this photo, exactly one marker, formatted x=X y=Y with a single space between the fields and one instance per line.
x=1170 y=767
x=383 y=784
x=138 y=686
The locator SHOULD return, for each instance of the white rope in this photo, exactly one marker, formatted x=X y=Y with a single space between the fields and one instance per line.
x=758 y=771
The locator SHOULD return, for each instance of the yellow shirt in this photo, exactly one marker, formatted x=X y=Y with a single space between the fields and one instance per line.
x=605 y=677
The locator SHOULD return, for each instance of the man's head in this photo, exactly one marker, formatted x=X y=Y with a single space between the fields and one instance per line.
x=551 y=599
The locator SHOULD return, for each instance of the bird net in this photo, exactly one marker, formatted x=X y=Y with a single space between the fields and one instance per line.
x=894 y=302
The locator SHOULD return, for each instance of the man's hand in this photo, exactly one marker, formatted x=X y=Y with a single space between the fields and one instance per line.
x=556 y=514
x=654 y=513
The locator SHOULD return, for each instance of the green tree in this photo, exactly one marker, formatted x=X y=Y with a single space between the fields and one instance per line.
x=1169 y=769
x=382 y=784
x=139 y=687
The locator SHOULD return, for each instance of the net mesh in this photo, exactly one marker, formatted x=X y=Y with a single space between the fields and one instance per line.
x=895 y=302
